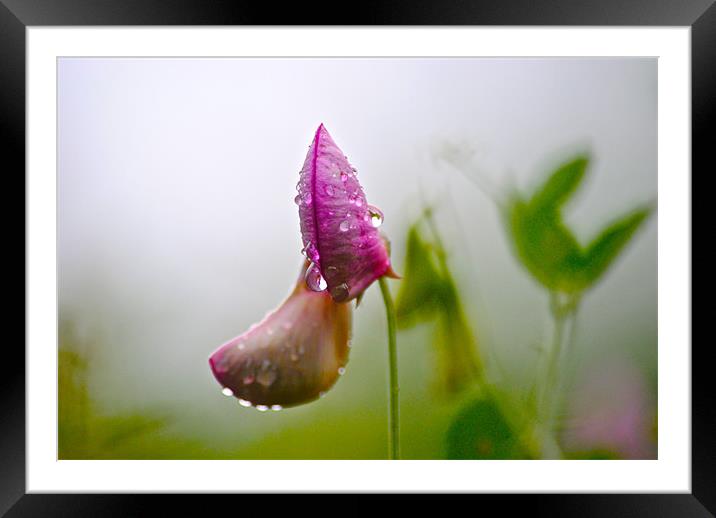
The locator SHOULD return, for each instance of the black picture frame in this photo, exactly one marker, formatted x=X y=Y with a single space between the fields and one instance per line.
x=17 y=15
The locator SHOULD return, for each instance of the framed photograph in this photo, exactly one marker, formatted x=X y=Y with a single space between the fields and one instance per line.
x=444 y=250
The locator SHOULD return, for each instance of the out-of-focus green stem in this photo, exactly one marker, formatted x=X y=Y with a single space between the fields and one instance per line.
x=560 y=357
x=394 y=415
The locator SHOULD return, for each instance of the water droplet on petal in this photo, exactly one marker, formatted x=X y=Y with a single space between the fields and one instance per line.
x=314 y=279
x=262 y=408
x=297 y=199
x=321 y=394
x=341 y=371
x=331 y=272
x=266 y=377
x=376 y=216
x=276 y=408
x=227 y=391
x=344 y=226
x=359 y=201
x=340 y=292
x=245 y=403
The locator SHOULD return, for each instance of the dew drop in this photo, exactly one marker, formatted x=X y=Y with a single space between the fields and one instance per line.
x=321 y=394
x=314 y=279
x=276 y=408
x=376 y=216
x=266 y=377
x=297 y=199
x=241 y=346
x=244 y=402
x=341 y=371
x=331 y=272
x=344 y=226
x=227 y=391
x=340 y=292
x=262 y=408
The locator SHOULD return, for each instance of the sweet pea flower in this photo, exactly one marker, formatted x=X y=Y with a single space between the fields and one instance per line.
x=292 y=356
x=339 y=228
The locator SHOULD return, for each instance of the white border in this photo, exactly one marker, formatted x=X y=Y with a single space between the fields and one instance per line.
x=670 y=473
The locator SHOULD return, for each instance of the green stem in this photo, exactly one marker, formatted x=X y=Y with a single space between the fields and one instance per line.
x=394 y=416
x=560 y=358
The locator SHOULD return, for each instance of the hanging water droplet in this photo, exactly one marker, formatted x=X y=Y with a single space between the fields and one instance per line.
x=344 y=226
x=262 y=408
x=321 y=394
x=227 y=391
x=297 y=199
x=340 y=292
x=341 y=371
x=276 y=408
x=376 y=216
x=244 y=402
x=314 y=279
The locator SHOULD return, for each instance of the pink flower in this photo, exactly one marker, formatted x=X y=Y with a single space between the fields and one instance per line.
x=339 y=228
x=292 y=356
x=613 y=410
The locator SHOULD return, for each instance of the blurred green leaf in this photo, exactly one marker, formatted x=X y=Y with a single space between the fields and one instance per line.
x=544 y=245
x=84 y=433
x=547 y=247
x=560 y=185
x=419 y=295
x=602 y=251
x=428 y=293
x=481 y=431
x=593 y=455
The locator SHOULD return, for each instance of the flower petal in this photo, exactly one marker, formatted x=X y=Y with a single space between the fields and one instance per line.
x=292 y=356
x=339 y=228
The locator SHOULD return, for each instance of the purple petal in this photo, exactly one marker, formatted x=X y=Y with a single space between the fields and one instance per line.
x=337 y=224
x=292 y=356
x=612 y=409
